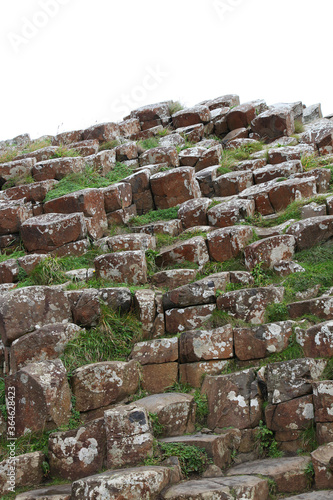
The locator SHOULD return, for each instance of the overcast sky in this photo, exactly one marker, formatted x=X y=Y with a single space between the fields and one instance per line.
x=67 y=64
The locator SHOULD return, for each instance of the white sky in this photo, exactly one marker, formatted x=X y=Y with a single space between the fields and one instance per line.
x=79 y=63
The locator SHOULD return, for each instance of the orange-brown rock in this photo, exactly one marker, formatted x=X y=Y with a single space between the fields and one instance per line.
x=173 y=187
x=122 y=267
x=191 y=250
x=228 y=242
x=42 y=396
x=269 y=251
x=50 y=231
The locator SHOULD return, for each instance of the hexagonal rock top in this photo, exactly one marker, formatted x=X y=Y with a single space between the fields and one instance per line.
x=50 y=231
x=270 y=251
x=175 y=186
x=123 y=267
x=322 y=460
x=131 y=484
x=221 y=488
x=288 y=473
x=191 y=250
x=58 y=492
x=176 y=412
x=310 y=232
x=228 y=242
x=274 y=123
x=191 y=116
x=250 y=304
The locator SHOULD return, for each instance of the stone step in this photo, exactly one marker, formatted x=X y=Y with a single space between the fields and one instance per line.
x=289 y=474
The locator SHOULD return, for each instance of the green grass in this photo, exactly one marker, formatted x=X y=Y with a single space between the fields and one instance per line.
x=299 y=127
x=63 y=152
x=111 y=340
x=18 y=180
x=150 y=143
x=174 y=107
x=108 y=145
x=88 y=179
x=14 y=255
x=51 y=271
x=293 y=211
x=192 y=459
x=231 y=157
x=155 y=216
x=265 y=442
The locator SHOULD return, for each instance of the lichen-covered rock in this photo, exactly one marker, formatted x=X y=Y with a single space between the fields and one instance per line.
x=285 y=192
x=232 y=183
x=322 y=460
x=12 y=215
x=48 y=232
x=317 y=341
x=173 y=278
x=191 y=250
x=123 y=267
x=57 y=168
x=293 y=415
x=117 y=196
x=78 y=453
x=47 y=342
x=21 y=471
x=323 y=400
x=261 y=341
x=200 y=292
x=187 y=318
x=170 y=227
x=270 y=251
x=88 y=201
x=141 y=193
x=175 y=411
x=160 y=155
x=250 y=304
x=205 y=345
x=155 y=351
x=104 y=383
x=274 y=123
x=129 y=438
x=9 y=271
x=144 y=483
x=193 y=373
x=311 y=232
x=130 y=242
x=289 y=473
x=144 y=301
x=194 y=212
x=226 y=243
x=289 y=154
x=34 y=192
x=23 y=309
x=230 y=213
x=289 y=379
x=191 y=116
x=283 y=169
x=102 y=131
x=173 y=187
x=320 y=134
x=42 y=396
x=321 y=307
x=16 y=168
x=233 y=400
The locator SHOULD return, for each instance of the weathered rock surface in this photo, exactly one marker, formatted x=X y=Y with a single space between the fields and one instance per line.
x=101 y=384
x=123 y=267
x=42 y=396
x=233 y=400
